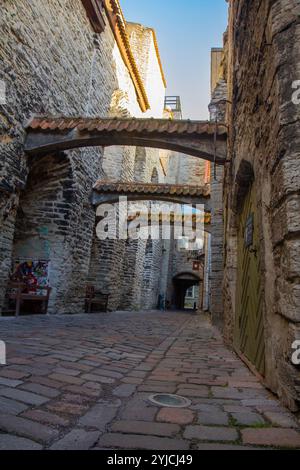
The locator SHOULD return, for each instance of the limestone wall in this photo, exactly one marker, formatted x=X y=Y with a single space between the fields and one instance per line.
x=52 y=65
x=117 y=267
x=263 y=62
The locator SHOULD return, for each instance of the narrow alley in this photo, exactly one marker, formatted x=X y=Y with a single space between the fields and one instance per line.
x=149 y=225
x=85 y=382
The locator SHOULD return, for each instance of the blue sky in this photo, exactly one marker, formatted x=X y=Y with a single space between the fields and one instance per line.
x=186 y=31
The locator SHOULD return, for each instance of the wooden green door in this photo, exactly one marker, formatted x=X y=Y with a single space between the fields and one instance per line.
x=249 y=325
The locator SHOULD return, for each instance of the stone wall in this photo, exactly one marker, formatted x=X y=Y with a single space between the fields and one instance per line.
x=217 y=114
x=263 y=62
x=118 y=265
x=51 y=64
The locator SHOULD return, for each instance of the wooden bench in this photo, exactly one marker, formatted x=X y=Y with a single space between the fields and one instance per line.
x=19 y=296
x=94 y=297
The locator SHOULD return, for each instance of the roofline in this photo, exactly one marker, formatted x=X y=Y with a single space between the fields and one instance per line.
x=118 y=25
x=159 y=57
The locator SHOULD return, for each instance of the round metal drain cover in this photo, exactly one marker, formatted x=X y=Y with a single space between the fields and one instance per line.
x=167 y=400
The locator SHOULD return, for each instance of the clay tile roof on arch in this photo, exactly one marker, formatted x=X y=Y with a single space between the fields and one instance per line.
x=107 y=186
x=181 y=127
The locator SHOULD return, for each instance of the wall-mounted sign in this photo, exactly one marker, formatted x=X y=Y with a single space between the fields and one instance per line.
x=249 y=231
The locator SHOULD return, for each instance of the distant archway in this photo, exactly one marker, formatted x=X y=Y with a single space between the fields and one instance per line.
x=182 y=282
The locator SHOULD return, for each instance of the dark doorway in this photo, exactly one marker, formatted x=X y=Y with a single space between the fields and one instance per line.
x=182 y=298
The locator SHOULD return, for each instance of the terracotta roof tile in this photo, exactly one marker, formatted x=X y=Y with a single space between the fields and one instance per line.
x=106 y=186
x=62 y=124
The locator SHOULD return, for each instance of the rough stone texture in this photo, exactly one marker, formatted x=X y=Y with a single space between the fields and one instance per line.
x=77 y=439
x=41 y=49
x=264 y=131
x=205 y=433
x=217 y=109
x=8 y=442
x=176 y=416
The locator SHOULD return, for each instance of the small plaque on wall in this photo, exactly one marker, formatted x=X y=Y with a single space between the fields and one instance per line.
x=249 y=231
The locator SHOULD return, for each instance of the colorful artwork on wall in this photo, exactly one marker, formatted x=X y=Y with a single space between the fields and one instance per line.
x=33 y=274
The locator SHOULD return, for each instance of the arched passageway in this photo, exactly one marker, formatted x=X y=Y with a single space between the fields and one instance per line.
x=184 y=297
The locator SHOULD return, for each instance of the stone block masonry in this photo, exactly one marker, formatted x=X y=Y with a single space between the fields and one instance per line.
x=55 y=64
x=264 y=136
x=51 y=65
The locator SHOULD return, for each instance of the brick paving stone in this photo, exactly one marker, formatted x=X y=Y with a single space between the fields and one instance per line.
x=273 y=437
x=109 y=373
x=226 y=392
x=67 y=371
x=217 y=418
x=242 y=384
x=20 y=361
x=125 y=390
x=206 y=408
x=145 y=428
x=11 y=407
x=9 y=442
x=175 y=416
x=142 y=353
x=123 y=441
x=66 y=379
x=23 y=396
x=145 y=367
x=46 y=381
x=77 y=439
x=282 y=420
x=98 y=379
x=82 y=390
x=75 y=366
x=100 y=415
x=260 y=402
x=67 y=408
x=238 y=409
x=33 y=370
x=248 y=418
x=138 y=374
x=132 y=380
x=77 y=399
x=138 y=409
x=208 y=382
x=9 y=382
x=41 y=390
x=27 y=428
x=93 y=386
x=45 y=418
x=13 y=374
x=205 y=433
x=202 y=392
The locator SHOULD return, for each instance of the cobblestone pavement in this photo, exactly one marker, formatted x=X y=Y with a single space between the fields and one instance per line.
x=83 y=382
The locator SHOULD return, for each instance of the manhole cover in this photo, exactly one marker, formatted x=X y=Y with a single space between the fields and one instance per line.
x=170 y=401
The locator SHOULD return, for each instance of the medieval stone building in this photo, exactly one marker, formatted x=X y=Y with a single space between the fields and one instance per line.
x=68 y=58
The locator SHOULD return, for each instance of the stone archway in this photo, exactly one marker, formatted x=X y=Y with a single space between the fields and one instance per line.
x=181 y=283
x=201 y=139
